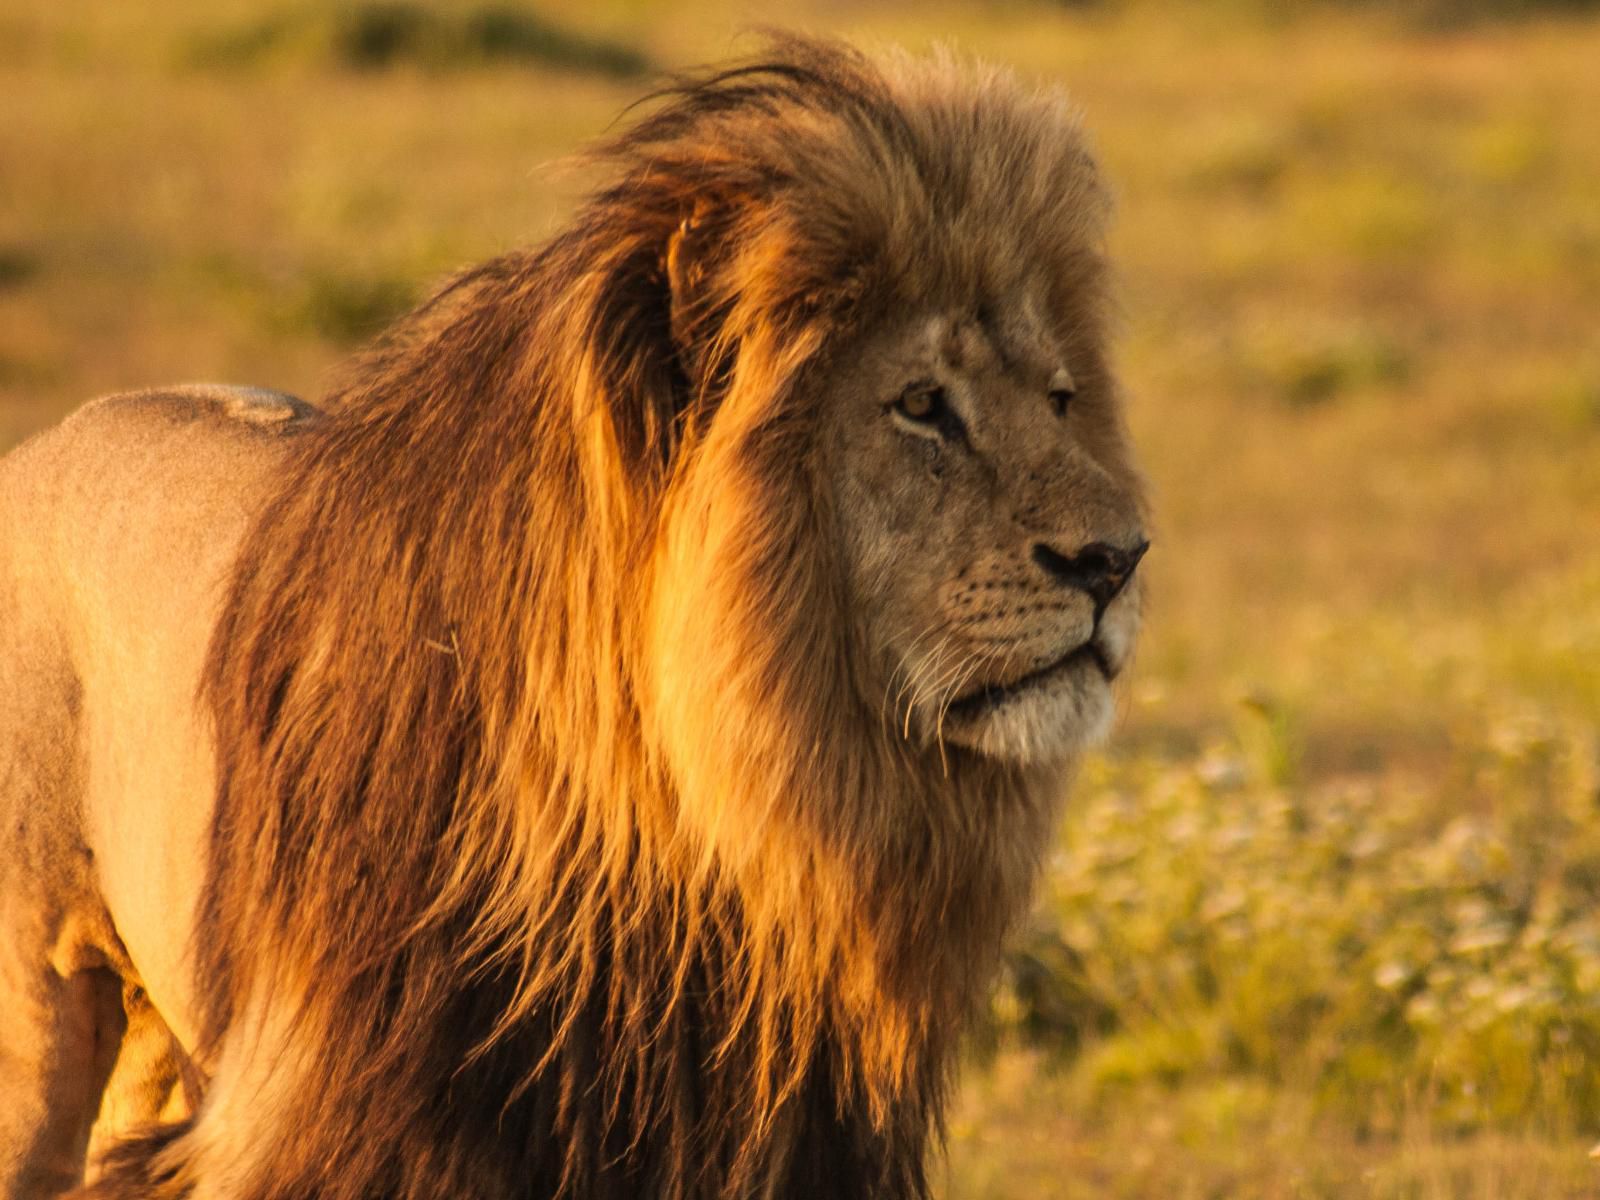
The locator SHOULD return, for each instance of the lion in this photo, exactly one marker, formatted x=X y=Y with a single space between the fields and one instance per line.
x=599 y=749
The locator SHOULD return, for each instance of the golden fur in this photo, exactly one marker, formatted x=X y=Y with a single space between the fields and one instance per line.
x=560 y=847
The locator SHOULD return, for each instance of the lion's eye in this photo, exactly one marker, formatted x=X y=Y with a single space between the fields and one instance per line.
x=922 y=404
x=1061 y=399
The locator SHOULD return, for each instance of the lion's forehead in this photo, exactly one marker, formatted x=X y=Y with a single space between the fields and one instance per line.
x=988 y=337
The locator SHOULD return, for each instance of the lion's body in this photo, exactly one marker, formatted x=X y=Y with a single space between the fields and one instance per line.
x=117 y=531
x=500 y=782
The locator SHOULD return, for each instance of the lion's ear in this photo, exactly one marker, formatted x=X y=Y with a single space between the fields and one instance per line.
x=684 y=274
x=690 y=265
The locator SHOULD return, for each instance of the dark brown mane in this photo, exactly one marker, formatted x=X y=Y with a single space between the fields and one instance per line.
x=543 y=883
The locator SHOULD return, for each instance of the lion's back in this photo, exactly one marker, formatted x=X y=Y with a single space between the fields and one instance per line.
x=118 y=529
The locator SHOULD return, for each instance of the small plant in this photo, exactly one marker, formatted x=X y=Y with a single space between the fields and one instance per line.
x=383 y=34
x=1312 y=364
x=17 y=266
x=344 y=307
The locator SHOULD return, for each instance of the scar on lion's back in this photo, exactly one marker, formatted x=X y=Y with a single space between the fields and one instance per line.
x=260 y=407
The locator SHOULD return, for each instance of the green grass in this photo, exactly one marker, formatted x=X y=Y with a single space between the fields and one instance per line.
x=1322 y=921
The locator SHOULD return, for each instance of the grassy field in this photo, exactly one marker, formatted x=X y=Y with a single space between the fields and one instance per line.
x=1325 y=920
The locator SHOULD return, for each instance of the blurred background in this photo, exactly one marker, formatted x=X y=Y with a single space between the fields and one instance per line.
x=1325 y=919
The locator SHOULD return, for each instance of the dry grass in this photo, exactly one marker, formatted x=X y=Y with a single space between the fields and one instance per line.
x=1235 y=1140
x=1362 y=268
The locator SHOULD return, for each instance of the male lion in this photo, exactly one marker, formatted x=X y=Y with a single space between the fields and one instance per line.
x=596 y=752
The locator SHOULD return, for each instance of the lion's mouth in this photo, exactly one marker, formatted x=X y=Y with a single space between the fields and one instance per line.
x=993 y=695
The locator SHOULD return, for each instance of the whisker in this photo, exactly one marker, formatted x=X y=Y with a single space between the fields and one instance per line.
x=917 y=685
x=902 y=669
x=974 y=664
x=950 y=682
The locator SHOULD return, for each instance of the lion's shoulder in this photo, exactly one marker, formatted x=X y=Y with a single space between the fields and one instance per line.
x=191 y=451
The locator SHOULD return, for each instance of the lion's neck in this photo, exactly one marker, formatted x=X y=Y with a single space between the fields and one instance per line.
x=796 y=1012
x=786 y=1022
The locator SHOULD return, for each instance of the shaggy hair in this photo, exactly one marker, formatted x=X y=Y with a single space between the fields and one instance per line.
x=558 y=831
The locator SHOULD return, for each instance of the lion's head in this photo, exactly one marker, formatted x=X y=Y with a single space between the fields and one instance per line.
x=927 y=344
x=990 y=517
x=643 y=707
x=982 y=514
x=901 y=522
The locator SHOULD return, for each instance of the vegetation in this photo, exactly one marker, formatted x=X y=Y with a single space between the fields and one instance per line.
x=387 y=33
x=1323 y=921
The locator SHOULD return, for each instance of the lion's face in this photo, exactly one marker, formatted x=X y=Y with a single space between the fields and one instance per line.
x=990 y=519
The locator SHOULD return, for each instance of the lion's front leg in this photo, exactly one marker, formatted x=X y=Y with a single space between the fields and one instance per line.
x=60 y=1003
x=62 y=1029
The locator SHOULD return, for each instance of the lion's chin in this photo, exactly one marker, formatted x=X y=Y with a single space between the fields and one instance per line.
x=1063 y=714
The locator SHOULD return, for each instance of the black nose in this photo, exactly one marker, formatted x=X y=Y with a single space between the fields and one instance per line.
x=1100 y=569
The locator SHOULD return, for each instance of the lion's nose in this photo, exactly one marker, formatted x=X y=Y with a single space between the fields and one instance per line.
x=1099 y=568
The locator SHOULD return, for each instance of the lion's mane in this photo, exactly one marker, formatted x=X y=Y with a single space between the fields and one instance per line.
x=557 y=826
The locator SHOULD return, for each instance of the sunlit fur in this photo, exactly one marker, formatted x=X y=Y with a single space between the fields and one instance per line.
x=561 y=849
